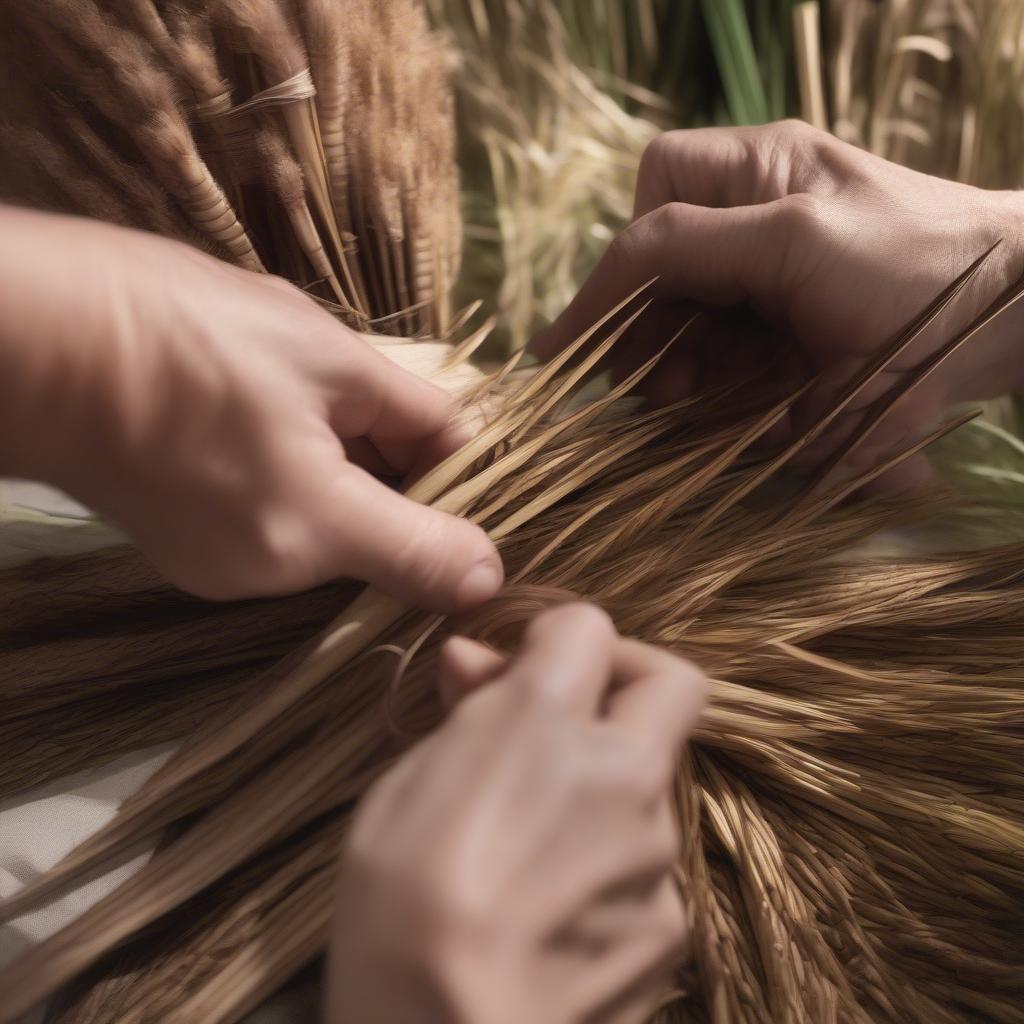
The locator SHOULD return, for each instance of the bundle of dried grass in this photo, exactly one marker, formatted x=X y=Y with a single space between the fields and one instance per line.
x=271 y=141
x=852 y=802
x=852 y=805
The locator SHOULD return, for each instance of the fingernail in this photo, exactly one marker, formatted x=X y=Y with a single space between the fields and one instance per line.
x=481 y=582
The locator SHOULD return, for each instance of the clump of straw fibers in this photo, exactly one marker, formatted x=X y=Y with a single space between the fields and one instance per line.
x=188 y=101
x=853 y=802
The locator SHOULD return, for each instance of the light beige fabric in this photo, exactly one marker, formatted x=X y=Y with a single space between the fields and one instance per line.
x=40 y=826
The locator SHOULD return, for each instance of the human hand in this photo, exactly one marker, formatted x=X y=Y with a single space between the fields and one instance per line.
x=222 y=419
x=516 y=865
x=833 y=246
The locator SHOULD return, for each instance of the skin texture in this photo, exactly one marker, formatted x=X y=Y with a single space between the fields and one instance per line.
x=785 y=230
x=221 y=418
x=516 y=865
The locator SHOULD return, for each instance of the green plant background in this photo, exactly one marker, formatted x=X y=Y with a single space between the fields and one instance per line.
x=558 y=98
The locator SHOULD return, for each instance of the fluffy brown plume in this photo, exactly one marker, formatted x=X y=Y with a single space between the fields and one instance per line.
x=186 y=90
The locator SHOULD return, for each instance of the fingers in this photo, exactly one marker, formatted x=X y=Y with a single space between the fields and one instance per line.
x=458 y=433
x=702 y=166
x=658 y=696
x=464 y=666
x=719 y=349
x=415 y=553
x=404 y=423
x=566 y=659
x=910 y=418
x=912 y=476
x=722 y=167
x=572 y=654
x=720 y=257
x=704 y=199
x=372 y=396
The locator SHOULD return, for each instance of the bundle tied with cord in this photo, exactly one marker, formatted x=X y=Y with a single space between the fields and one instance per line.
x=851 y=803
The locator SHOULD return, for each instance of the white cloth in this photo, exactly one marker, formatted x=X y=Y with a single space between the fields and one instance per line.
x=40 y=826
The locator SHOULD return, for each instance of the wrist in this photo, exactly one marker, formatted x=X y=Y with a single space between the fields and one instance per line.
x=401 y=955
x=366 y=986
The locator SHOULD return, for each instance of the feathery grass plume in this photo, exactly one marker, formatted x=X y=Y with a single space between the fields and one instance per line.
x=57 y=162
x=855 y=859
x=144 y=17
x=150 y=205
x=58 y=180
x=154 y=82
x=549 y=160
x=393 y=171
x=329 y=48
x=284 y=176
x=195 y=55
x=115 y=73
x=265 y=29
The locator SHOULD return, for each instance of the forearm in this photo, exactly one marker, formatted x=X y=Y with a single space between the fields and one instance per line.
x=49 y=336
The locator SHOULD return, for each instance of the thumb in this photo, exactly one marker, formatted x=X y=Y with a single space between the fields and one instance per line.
x=463 y=667
x=714 y=256
x=414 y=553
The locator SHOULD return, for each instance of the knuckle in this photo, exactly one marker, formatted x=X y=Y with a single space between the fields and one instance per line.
x=670 y=221
x=422 y=561
x=464 y=909
x=793 y=129
x=803 y=146
x=545 y=693
x=272 y=557
x=658 y=151
x=802 y=214
x=281 y=544
x=791 y=125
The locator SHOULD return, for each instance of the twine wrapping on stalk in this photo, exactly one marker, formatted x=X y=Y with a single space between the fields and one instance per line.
x=292 y=90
